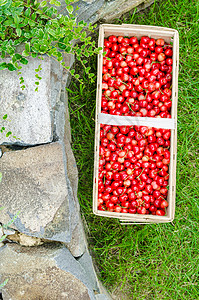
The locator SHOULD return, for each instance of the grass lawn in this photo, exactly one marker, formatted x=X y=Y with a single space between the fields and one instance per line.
x=158 y=261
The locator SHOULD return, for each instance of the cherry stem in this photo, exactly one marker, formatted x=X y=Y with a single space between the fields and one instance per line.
x=140 y=174
x=123 y=192
x=109 y=98
x=128 y=104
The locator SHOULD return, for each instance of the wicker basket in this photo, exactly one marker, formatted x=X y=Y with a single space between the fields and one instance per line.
x=169 y=35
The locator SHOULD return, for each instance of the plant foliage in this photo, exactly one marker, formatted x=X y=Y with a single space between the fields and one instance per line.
x=43 y=31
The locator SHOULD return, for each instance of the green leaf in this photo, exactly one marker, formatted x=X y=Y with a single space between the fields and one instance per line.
x=27 y=47
x=31 y=23
x=39 y=68
x=34 y=55
x=52 y=32
x=3 y=2
x=33 y=16
x=69 y=8
x=8 y=133
x=18 y=31
x=43 y=3
x=8 y=22
x=88 y=69
x=11 y=67
x=3 y=66
x=16 y=19
x=25 y=53
x=38 y=77
x=40 y=33
x=24 y=61
x=55 y=2
x=18 y=56
x=5 y=116
x=27 y=12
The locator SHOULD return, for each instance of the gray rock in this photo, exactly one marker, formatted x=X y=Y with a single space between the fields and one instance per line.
x=1 y=236
x=27 y=110
x=63 y=132
x=24 y=240
x=102 y=297
x=35 y=183
x=77 y=244
x=1 y=232
x=9 y=231
x=92 y=11
x=60 y=106
x=35 y=117
x=115 y=8
x=46 y=272
x=1 y=153
x=88 y=10
x=86 y=262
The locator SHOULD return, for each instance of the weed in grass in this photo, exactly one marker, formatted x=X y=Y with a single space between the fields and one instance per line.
x=157 y=261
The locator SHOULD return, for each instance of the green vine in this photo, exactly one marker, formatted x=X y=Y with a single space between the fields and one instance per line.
x=43 y=31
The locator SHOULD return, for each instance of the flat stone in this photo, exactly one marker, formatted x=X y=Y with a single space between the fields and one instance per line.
x=9 y=231
x=71 y=165
x=60 y=107
x=102 y=297
x=25 y=240
x=86 y=262
x=35 y=117
x=115 y=8
x=77 y=244
x=88 y=10
x=1 y=232
x=92 y=11
x=46 y=272
x=36 y=184
x=27 y=110
x=1 y=235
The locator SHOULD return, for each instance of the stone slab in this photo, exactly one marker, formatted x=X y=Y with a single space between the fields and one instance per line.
x=77 y=244
x=46 y=272
x=36 y=184
x=92 y=11
x=28 y=111
x=102 y=297
x=115 y=8
x=86 y=262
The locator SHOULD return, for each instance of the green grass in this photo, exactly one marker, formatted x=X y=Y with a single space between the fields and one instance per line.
x=158 y=261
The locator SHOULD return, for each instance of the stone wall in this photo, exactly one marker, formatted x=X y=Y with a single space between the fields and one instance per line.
x=45 y=255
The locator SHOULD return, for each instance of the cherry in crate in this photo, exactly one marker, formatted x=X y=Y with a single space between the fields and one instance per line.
x=134 y=160
x=137 y=77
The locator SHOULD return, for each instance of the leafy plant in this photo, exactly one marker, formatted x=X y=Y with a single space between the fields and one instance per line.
x=3 y=129
x=42 y=30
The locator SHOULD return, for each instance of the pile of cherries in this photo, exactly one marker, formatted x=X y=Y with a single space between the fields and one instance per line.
x=137 y=77
x=134 y=160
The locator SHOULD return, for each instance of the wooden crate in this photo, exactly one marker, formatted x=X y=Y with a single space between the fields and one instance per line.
x=169 y=35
